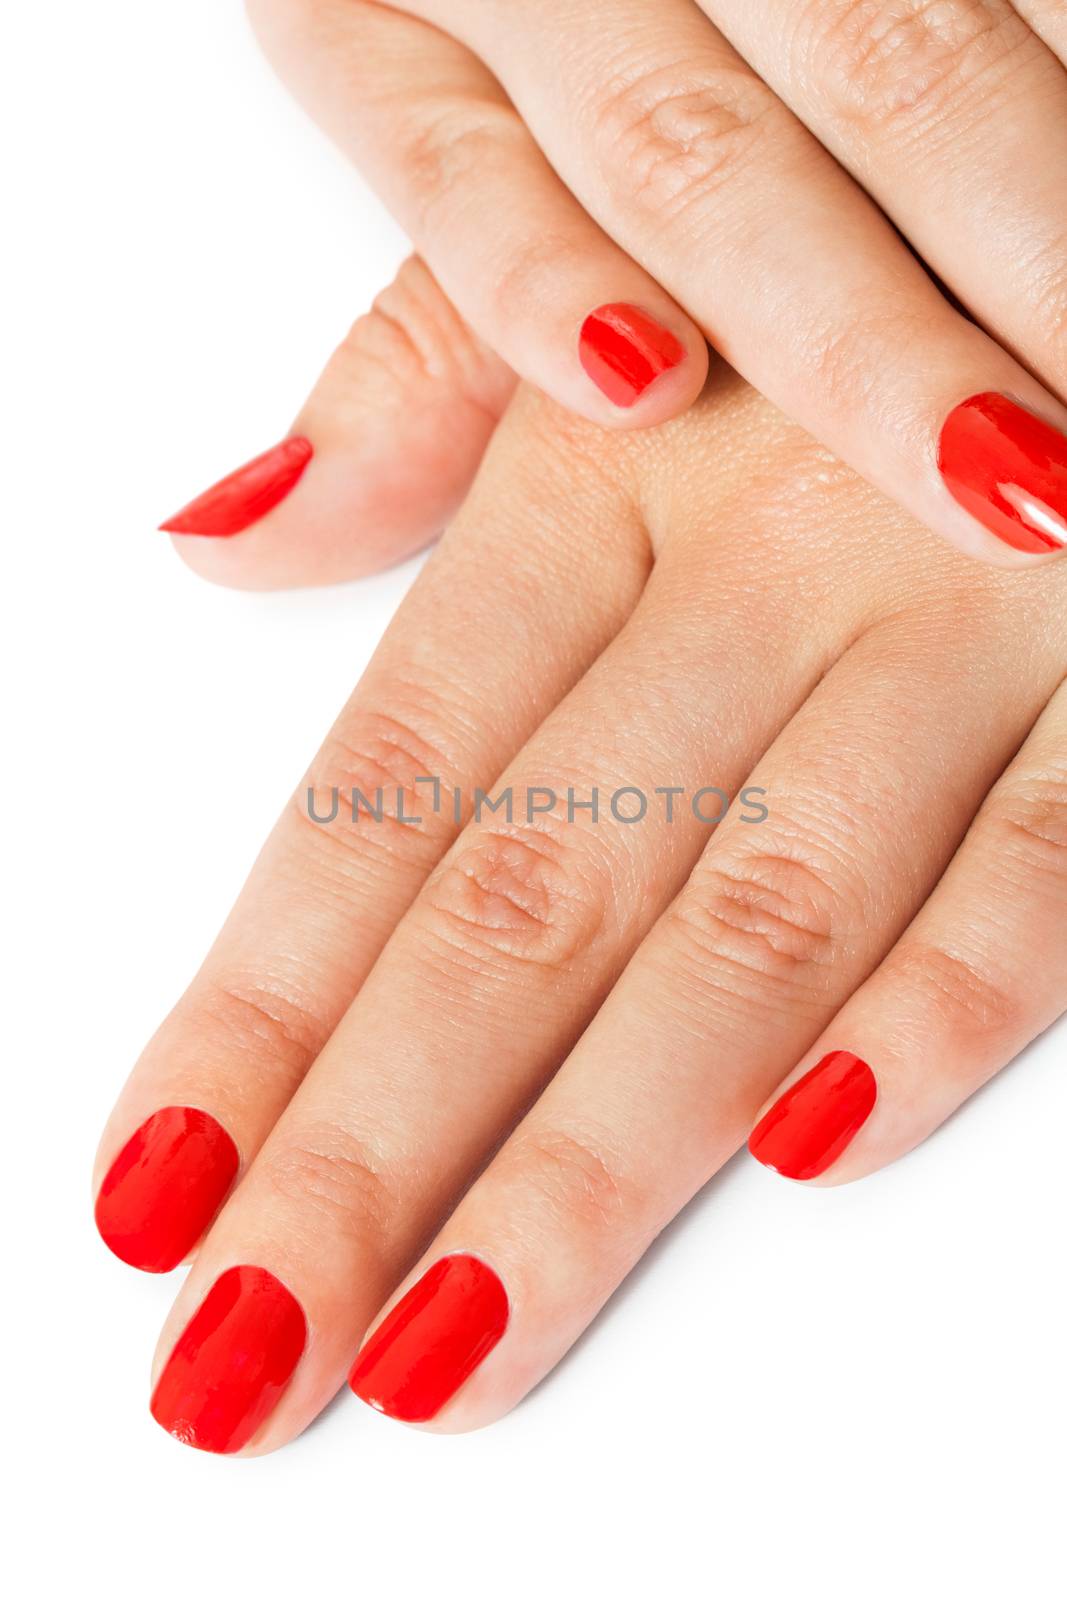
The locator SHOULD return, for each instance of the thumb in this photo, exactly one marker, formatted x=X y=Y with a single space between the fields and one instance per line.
x=378 y=461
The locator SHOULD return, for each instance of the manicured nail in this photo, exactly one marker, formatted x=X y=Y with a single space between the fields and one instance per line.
x=235 y=503
x=164 y=1187
x=807 y=1129
x=1008 y=469
x=431 y=1342
x=624 y=351
x=230 y=1367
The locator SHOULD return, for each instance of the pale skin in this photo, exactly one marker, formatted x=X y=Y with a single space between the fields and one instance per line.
x=750 y=172
x=608 y=1008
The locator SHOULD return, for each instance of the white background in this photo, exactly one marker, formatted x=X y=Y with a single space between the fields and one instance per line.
x=852 y=1393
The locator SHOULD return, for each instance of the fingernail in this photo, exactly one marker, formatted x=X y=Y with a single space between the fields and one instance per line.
x=235 y=503
x=624 y=351
x=1008 y=469
x=807 y=1129
x=230 y=1367
x=432 y=1341
x=164 y=1187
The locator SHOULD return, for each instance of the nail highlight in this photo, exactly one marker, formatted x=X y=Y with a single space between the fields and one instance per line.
x=432 y=1340
x=624 y=351
x=805 y=1131
x=1009 y=469
x=236 y=502
x=164 y=1187
x=231 y=1366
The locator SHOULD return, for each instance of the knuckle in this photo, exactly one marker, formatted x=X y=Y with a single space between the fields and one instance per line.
x=447 y=150
x=330 y=1176
x=964 y=1000
x=535 y=261
x=268 y=1028
x=363 y=796
x=1027 y=826
x=764 y=920
x=574 y=1177
x=880 y=64
x=517 y=894
x=666 y=140
x=847 y=356
x=412 y=335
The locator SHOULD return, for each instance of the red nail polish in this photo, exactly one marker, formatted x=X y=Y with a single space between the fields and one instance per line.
x=624 y=351
x=1008 y=469
x=164 y=1187
x=807 y=1129
x=230 y=1367
x=238 y=501
x=431 y=1342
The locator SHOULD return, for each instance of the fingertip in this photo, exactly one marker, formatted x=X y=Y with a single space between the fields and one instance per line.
x=648 y=368
x=381 y=457
x=245 y=496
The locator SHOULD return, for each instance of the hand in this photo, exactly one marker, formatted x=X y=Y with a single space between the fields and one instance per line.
x=592 y=1014
x=581 y=176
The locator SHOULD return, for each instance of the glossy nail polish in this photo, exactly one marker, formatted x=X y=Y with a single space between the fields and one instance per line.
x=164 y=1187
x=235 y=503
x=624 y=351
x=807 y=1129
x=1008 y=469
x=432 y=1340
x=231 y=1366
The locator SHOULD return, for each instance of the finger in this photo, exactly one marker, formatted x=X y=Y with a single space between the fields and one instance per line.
x=954 y=117
x=977 y=975
x=697 y=168
x=376 y=464
x=518 y=601
x=777 y=923
x=486 y=985
x=527 y=267
x=1049 y=21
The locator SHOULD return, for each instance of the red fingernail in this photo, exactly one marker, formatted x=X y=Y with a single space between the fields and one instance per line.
x=164 y=1187
x=624 y=351
x=806 y=1130
x=230 y=1367
x=431 y=1342
x=235 y=503
x=1008 y=469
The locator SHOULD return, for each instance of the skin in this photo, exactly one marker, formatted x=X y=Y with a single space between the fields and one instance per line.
x=609 y=1008
x=739 y=170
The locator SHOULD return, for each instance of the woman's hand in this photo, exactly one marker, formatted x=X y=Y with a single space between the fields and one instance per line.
x=485 y=1058
x=580 y=177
